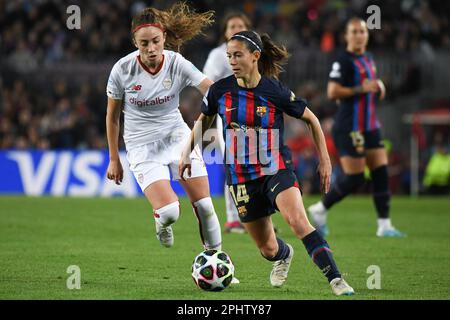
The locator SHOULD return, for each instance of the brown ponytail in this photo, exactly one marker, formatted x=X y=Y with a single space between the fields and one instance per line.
x=179 y=22
x=272 y=58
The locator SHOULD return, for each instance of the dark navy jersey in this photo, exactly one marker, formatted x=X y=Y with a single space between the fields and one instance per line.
x=356 y=113
x=253 y=126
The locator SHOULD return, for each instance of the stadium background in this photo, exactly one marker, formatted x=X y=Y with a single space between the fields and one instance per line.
x=53 y=81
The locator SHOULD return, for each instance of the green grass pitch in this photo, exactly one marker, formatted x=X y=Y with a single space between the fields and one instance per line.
x=113 y=242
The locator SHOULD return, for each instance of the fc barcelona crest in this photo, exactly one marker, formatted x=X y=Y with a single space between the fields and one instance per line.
x=261 y=111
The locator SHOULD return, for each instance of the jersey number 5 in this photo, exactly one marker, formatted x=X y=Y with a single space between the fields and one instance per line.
x=357 y=141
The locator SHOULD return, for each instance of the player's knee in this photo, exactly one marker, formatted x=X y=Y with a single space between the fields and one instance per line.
x=168 y=214
x=299 y=224
x=294 y=215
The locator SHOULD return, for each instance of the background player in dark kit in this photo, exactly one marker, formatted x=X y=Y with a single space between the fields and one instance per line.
x=356 y=133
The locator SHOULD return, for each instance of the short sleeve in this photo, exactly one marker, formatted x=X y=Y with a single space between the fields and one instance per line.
x=114 y=88
x=209 y=104
x=290 y=104
x=339 y=71
x=190 y=74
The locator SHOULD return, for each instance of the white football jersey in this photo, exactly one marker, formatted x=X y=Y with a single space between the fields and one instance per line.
x=217 y=66
x=150 y=101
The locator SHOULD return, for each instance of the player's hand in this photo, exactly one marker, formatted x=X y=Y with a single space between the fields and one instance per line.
x=324 y=170
x=185 y=163
x=370 y=86
x=115 y=171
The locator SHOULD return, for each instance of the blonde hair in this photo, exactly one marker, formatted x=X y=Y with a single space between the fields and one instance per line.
x=179 y=22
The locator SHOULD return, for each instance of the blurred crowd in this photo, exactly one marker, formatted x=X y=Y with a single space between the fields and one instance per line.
x=58 y=110
x=35 y=32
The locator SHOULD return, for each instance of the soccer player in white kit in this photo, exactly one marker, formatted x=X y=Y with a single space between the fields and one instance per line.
x=217 y=67
x=147 y=84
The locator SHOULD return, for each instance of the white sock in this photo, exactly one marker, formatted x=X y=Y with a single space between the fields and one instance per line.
x=322 y=207
x=232 y=213
x=209 y=225
x=384 y=224
x=168 y=214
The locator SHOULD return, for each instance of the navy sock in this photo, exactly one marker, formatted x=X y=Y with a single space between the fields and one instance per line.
x=381 y=194
x=344 y=186
x=322 y=256
x=283 y=251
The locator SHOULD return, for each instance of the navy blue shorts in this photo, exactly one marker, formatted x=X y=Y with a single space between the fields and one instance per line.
x=255 y=199
x=355 y=143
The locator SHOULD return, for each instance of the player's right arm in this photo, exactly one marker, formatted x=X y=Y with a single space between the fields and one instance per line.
x=203 y=123
x=115 y=170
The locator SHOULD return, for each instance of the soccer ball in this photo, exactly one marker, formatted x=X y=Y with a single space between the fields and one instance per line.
x=212 y=270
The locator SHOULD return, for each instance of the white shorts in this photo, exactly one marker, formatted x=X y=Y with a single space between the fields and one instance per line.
x=157 y=160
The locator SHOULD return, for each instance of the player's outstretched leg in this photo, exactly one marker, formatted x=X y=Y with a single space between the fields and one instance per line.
x=291 y=207
x=321 y=254
x=164 y=218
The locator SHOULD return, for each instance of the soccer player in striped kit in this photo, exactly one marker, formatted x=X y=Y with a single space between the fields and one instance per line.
x=354 y=84
x=146 y=84
x=252 y=103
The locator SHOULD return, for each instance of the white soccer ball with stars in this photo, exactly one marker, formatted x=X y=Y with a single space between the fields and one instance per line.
x=212 y=270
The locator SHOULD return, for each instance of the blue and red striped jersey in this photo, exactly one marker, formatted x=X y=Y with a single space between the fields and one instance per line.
x=356 y=113
x=253 y=125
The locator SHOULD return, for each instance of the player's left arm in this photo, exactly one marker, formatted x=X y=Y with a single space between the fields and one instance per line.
x=324 y=168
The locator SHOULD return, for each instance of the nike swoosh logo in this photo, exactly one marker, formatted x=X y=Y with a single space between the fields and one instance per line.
x=228 y=110
x=273 y=189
